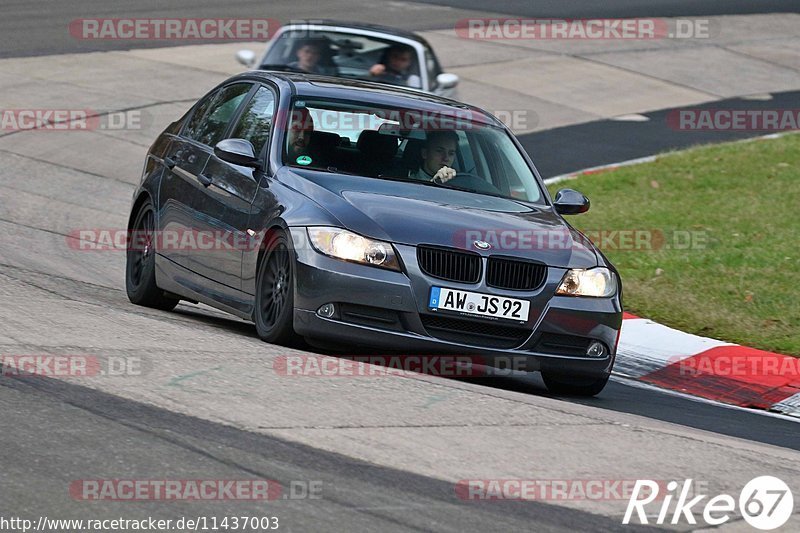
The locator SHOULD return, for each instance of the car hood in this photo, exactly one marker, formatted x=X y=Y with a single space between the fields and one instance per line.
x=413 y=214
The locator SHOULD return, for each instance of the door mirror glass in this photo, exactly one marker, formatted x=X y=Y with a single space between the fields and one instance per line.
x=445 y=80
x=238 y=152
x=246 y=58
x=570 y=202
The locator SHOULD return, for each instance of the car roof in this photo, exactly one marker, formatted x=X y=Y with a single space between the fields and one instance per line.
x=313 y=85
x=360 y=26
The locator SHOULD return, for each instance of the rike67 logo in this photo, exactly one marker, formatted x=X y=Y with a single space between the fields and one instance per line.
x=765 y=503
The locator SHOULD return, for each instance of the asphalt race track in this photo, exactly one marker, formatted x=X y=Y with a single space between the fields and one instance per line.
x=358 y=496
x=34 y=29
x=570 y=148
x=628 y=8
x=205 y=402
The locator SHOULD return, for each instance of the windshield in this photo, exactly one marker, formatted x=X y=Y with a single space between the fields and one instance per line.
x=429 y=149
x=346 y=55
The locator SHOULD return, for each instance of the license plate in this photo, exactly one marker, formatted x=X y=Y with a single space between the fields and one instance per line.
x=474 y=303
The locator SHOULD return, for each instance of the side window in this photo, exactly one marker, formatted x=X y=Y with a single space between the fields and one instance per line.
x=254 y=125
x=220 y=110
x=199 y=113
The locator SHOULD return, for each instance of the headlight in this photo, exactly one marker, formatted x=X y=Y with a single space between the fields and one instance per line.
x=348 y=246
x=595 y=282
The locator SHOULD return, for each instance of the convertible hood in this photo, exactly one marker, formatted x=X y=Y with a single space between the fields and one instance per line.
x=410 y=213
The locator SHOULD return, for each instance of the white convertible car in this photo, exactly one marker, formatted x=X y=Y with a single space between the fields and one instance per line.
x=357 y=51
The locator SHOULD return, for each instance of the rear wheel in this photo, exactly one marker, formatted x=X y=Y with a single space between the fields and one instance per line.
x=574 y=386
x=140 y=267
x=274 y=306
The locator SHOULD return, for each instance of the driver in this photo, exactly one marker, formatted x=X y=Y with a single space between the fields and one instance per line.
x=397 y=67
x=299 y=135
x=438 y=154
x=302 y=148
x=309 y=56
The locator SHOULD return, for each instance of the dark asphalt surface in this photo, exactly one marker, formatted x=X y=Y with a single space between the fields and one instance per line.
x=627 y=8
x=28 y=29
x=55 y=433
x=42 y=28
x=621 y=396
x=563 y=150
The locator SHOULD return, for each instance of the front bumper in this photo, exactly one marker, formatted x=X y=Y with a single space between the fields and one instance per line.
x=387 y=311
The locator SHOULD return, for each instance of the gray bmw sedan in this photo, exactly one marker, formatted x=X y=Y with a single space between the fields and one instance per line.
x=366 y=215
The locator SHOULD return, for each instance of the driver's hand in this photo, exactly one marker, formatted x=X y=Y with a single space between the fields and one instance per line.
x=444 y=174
x=377 y=69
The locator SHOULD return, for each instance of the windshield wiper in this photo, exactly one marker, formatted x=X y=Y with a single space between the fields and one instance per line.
x=329 y=169
x=409 y=180
x=337 y=170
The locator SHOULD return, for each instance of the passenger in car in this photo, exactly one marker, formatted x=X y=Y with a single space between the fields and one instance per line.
x=310 y=54
x=437 y=155
x=396 y=67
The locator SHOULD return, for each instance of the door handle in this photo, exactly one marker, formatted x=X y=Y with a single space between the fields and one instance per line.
x=169 y=163
x=205 y=180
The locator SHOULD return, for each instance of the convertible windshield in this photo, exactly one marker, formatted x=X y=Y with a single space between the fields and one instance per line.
x=455 y=149
x=346 y=55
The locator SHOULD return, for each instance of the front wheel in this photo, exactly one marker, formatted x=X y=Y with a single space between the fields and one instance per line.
x=574 y=386
x=274 y=305
x=140 y=267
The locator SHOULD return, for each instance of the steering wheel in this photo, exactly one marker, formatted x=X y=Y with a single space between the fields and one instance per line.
x=471 y=181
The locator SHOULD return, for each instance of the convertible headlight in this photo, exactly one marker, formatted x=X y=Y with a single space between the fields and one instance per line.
x=348 y=246
x=595 y=282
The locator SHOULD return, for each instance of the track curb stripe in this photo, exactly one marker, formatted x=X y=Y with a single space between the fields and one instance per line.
x=708 y=368
x=700 y=366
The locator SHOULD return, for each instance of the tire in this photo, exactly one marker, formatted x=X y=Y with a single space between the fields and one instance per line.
x=274 y=305
x=140 y=267
x=574 y=386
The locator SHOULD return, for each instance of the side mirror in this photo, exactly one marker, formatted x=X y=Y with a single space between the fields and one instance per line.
x=570 y=202
x=237 y=152
x=445 y=80
x=246 y=57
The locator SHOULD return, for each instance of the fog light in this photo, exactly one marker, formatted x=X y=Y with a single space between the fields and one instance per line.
x=326 y=311
x=596 y=349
